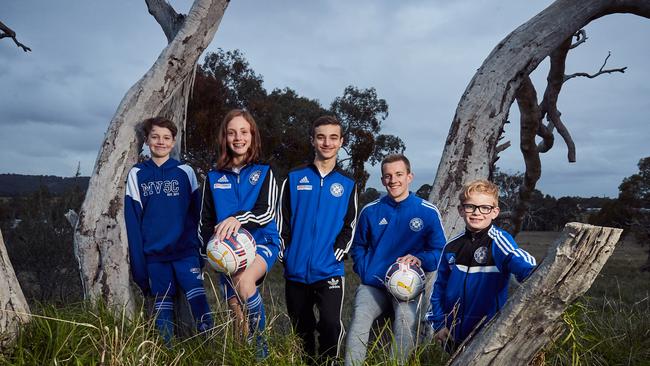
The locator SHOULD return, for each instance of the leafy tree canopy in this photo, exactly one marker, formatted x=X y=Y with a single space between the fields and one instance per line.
x=225 y=81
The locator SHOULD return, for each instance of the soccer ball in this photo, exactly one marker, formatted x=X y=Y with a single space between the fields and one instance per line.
x=404 y=281
x=231 y=255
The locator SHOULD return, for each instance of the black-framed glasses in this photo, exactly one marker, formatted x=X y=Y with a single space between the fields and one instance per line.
x=484 y=209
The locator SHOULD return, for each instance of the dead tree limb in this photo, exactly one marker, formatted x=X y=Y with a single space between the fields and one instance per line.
x=14 y=309
x=600 y=71
x=100 y=236
x=9 y=33
x=170 y=21
x=483 y=108
x=531 y=317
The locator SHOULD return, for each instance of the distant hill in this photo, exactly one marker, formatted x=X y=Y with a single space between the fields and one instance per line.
x=12 y=185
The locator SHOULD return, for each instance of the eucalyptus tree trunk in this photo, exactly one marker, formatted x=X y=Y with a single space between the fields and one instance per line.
x=14 y=307
x=100 y=236
x=471 y=144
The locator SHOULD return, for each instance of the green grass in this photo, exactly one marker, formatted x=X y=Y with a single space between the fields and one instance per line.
x=610 y=325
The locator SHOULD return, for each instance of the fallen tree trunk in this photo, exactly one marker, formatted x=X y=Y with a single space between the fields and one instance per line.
x=531 y=317
x=14 y=306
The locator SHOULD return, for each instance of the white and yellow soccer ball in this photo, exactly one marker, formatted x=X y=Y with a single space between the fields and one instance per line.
x=231 y=255
x=404 y=281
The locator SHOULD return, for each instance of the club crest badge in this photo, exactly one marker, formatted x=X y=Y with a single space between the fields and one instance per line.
x=480 y=255
x=254 y=177
x=336 y=190
x=416 y=224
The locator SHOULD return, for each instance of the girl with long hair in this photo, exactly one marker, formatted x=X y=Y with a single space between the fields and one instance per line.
x=242 y=192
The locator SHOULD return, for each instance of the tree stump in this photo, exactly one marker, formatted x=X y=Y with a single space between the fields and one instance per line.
x=14 y=306
x=531 y=317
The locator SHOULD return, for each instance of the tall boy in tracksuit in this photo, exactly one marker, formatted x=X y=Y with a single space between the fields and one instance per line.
x=475 y=268
x=398 y=227
x=319 y=209
x=161 y=210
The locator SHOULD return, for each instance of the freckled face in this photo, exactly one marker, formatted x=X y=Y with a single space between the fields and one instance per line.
x=477 y=221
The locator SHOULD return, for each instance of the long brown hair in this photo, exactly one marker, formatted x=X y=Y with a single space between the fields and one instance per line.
x=224 y=154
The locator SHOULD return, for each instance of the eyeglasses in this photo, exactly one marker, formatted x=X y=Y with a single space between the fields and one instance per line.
x=484 y=209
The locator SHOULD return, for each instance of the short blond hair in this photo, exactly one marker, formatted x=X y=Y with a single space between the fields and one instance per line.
x=480 y=186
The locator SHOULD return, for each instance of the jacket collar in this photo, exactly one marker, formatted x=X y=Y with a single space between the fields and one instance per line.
x=477 y=235
x=407 y=201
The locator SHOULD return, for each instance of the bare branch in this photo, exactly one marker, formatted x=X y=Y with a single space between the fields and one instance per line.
x=170 y=21
x=9 y=33
x=566 y=136
x=581 y=37
x=555 y=81
x=503 y=146
x=601 y=71
x=531 y=117
x=546 y=133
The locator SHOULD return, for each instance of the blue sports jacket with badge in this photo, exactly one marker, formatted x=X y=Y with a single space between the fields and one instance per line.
x=161 y=211
x=473 y=277
x=250 y=196
x=317 y=223
x=388 y=230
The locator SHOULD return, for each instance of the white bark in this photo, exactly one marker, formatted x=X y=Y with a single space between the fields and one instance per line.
x=483 y=108
x=100 y=236
x=530 y=318
x=14 y=309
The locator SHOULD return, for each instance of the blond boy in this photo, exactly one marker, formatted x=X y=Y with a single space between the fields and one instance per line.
x=475 y=268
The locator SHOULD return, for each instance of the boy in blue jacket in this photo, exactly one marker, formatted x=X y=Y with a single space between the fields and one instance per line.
x=398 y=227
x=475 y=268
x=161 y=210
x=317 y=221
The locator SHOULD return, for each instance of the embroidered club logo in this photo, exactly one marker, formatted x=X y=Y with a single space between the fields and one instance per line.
x=416 y=224
x=336 y=190
x=383 y=221
x=333 y=283
x=480 y=255
x=254 y=177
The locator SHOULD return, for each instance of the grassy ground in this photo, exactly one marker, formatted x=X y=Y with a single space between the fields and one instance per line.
x=620 y=278
x=608 y=326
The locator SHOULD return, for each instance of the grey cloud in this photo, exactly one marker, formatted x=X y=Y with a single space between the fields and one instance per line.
x=56 y=102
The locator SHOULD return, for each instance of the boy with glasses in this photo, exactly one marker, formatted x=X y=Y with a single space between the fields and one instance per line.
x=475 y=268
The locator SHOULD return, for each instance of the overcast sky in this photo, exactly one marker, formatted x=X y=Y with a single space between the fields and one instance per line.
x=56 y=102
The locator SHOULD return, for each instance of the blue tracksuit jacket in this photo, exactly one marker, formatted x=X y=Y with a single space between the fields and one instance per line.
x=249 y=195
x=388 y=230
x=317 y=223
x=473 y=277
x=161 y=210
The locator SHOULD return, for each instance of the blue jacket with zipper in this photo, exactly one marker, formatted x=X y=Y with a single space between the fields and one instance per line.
x=473 y=277
x=388 y=230
x=317 y=223
x=161 y=211
x=250 y=195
